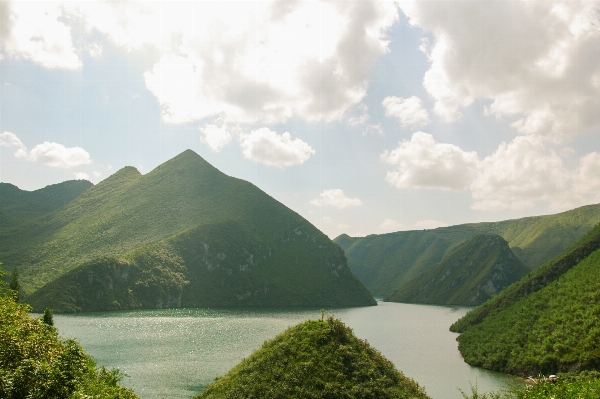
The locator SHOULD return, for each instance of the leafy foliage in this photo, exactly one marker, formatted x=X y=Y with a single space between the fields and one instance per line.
x=185 y=234
x=386 y=261
x=315 y=359
x=35 y=363
x=554 y=328
x=471 y=274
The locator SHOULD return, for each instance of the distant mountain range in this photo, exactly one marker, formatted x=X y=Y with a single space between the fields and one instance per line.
x=548 y=321
x=470 y=275
x=184 y=234
x=386 y=262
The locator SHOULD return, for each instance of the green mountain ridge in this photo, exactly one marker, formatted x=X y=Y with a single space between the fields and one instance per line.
x=315 y=359
x=385 y=262
x=139 y=223
x=471 y=274
x=546 y=322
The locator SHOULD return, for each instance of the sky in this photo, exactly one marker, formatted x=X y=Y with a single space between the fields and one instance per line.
x=365 y=117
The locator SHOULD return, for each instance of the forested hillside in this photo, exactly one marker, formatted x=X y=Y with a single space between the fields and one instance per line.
x=184 y=234
x=547 y=322
x=470 y=275
x=384 y=262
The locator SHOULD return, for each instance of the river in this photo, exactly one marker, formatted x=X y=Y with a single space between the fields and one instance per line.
x=175 y=353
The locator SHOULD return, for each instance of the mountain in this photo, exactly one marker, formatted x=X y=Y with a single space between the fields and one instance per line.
x=184 y=234
x=384 y=262
x=544 y=323
x=470 y=275
x=315 y=359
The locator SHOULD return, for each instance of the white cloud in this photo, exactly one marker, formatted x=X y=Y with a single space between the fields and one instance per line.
x=82 y=176
x=35 y=32
x=587 y=176
x=519 y=174
x=424 y=163
x=255 y=62
x=267 y=147
x=10 y=140
x=335 y=197
x=342 y=226
x=429 y=224
x=536 y=61
x=215 y=137
x=390 y=225
x=409 y=111
x=51 y=154
x=57 y=155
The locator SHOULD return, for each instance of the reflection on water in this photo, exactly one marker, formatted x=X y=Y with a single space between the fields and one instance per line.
x=175 y=353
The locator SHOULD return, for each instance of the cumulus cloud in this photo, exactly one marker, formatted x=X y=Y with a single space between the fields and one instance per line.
x=548 y=83
x=519 y=174
x=82 y=176
x=269 y=148
x=390 y=225
x=255 y=62
x=408 y=111
x=34 y=31
x=429 y=224
x=424 y=163
x=215 y=137
x=336 y=198
x=51 y=154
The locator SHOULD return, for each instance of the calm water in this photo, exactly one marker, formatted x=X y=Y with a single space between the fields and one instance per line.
x=176 y=353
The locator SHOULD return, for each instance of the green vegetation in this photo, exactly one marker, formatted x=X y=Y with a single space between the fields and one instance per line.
x=315 y=359
x=184 y=234
x=387 y=261
x=580 y=386
x=545 y=323
x=471 y=274
x=35 y=363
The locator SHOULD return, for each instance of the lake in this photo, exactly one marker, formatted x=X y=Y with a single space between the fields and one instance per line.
x=175 y=353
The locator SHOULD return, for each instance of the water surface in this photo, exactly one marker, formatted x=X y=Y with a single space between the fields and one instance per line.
x=176 y=353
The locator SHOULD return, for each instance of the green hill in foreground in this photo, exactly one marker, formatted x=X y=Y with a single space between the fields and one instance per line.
x=384 y=262
x=315 y=359
x=184 y=234
x=470 y=275
x=548 y=321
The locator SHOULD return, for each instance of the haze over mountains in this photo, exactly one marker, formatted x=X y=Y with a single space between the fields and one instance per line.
x=184 y=234
x=386 y=262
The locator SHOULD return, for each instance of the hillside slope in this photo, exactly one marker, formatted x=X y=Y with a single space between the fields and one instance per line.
x=546 y=322
x=171 y=227
x=315 y=359
x=470 y=275
x=384 y=262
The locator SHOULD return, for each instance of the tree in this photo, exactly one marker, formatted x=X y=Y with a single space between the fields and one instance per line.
x=47 y=318
x=14 y=284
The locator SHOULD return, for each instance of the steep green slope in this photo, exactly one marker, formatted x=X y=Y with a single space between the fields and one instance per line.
x=471 y=274
x=385 y=262
x=533 y=282
x=315 y=359
x=556 y=328
x=138 y=219
x=223 y=264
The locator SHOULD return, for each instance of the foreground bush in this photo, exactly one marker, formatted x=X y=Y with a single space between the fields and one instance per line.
x=36 y=363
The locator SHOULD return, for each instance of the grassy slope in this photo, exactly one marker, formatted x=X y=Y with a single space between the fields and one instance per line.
x=471 y=274
x=129 y=211
x=315 y=359
x=533 y=282
x=384 y=262
x=556 y=328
